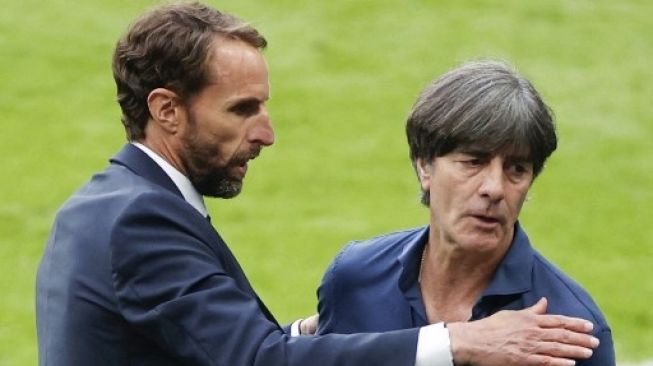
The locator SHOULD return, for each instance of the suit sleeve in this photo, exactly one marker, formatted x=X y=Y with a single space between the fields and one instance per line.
x=177 y=289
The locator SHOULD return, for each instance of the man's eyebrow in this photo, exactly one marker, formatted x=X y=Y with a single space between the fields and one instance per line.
x=518 y=154
x=243 y=101
x=518 y=157
x=473 y=151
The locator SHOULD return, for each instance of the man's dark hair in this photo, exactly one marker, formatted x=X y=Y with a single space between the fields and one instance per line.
x=485 y=105
x=169 y=47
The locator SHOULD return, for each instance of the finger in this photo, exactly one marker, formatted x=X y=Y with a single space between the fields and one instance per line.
x=539 y=307
x=566 y=322
x=561 y=350
x=309 y=325
x=538 y=360
x=570 y=338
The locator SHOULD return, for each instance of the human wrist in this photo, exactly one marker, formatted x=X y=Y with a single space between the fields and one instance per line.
x=461 y=349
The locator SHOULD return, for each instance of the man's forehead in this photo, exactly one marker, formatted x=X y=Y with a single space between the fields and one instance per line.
x=234 y=58
x=512 y=150
x=237 y=70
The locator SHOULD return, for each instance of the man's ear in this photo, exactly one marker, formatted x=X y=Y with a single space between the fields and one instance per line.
x=423 y=173
x=164 y=109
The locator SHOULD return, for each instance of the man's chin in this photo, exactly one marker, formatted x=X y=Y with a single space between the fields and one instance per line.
x=225 y=188
x=482 y=241
x=227 y=194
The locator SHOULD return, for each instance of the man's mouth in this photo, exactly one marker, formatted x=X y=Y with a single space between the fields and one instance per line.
x=251 y=156
x=241 y=164
x=241 y=169
x=488 y=220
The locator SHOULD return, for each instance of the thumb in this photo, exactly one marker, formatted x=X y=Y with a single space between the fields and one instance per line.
x=540 y=306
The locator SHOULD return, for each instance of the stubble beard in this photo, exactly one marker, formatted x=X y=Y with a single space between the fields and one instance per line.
x=208 y=178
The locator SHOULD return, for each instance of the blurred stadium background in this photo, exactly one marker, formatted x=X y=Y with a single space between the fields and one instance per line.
x=344 y=74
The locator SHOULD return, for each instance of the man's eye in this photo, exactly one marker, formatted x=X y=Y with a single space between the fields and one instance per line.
x=246 y=109
x=519 y=168
x=473 y=162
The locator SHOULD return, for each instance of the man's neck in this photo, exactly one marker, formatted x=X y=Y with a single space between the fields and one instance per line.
x=452 y=278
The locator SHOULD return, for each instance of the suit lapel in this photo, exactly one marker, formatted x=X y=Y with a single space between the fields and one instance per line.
x=140 y=163
x=239 y=276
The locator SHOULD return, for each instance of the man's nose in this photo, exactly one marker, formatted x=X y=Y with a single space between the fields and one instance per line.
x=262 y=132
x=492 y=184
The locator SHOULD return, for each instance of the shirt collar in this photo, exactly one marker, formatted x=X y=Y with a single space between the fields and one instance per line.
x=182 y=182
x=513 y=274
x=515 y=271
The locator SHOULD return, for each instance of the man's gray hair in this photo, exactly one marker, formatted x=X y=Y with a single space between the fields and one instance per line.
x=485 y=105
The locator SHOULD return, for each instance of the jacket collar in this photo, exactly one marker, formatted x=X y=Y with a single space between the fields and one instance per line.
x=411 y=256
x=137 y=161
x=410 y=260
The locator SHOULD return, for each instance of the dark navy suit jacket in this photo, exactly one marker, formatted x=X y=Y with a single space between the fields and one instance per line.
x=133 y=275
x=372 y=286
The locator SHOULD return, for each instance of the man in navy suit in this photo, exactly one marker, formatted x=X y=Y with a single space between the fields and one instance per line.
x=133 y=272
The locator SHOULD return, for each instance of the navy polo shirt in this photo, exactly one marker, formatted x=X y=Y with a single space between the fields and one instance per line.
x=371 y=286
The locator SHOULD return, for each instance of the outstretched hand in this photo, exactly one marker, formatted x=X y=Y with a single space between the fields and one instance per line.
x=527 y=337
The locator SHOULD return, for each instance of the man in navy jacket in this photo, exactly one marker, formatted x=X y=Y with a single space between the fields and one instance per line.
x=134 y=273
x=478 y=136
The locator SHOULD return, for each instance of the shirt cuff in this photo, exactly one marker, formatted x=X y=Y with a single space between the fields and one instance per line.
x=434 y=346
x=294 y=328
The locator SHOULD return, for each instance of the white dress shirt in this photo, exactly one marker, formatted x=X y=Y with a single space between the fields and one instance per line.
x=182 y=182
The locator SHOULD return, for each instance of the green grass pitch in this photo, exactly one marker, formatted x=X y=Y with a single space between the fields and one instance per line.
x=343 y=76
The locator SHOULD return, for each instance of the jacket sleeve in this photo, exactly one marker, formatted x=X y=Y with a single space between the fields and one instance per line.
x=177 y=288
